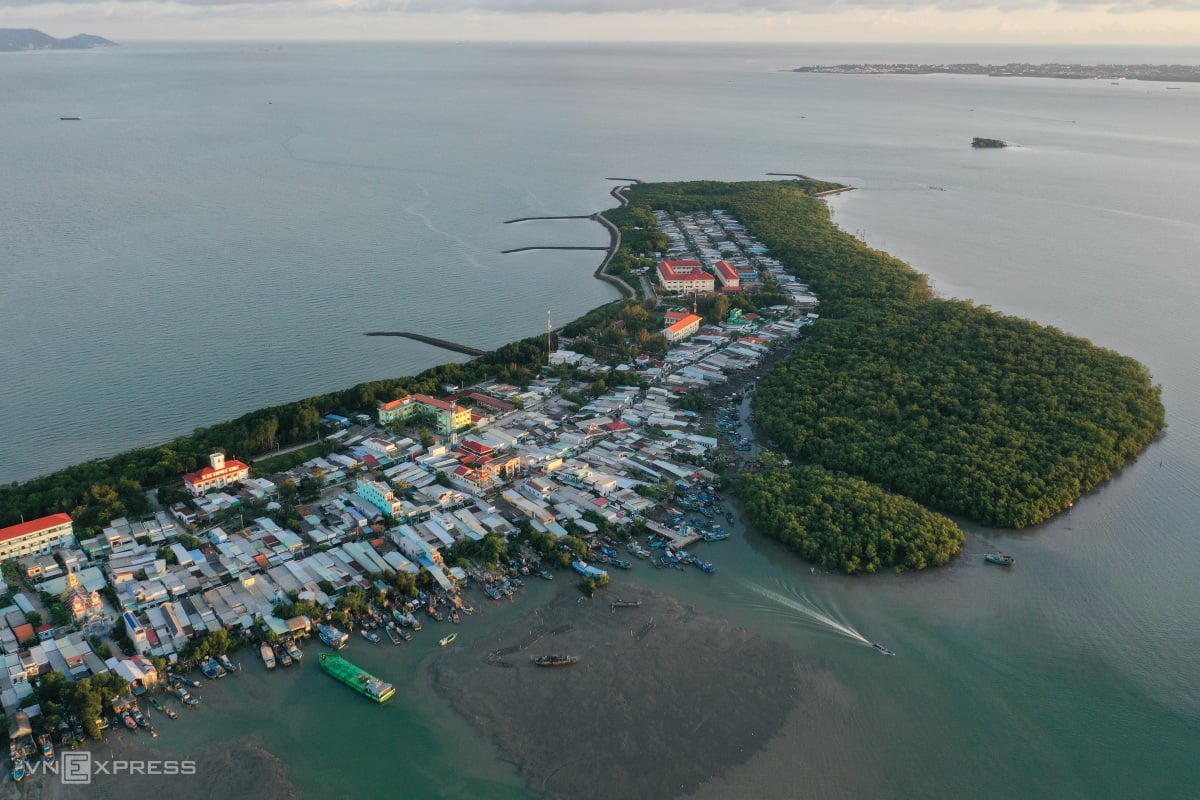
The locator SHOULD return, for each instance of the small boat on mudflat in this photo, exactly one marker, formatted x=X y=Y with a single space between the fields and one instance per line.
x=555 y=660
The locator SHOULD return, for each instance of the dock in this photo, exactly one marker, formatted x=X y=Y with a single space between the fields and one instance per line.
x=675 y=539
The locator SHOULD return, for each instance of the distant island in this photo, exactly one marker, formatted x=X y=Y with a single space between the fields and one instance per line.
x=979 y=141
x=1133 y=72
x=15 y=39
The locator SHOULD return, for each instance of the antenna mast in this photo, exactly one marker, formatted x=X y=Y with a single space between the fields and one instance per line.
x=549 y=331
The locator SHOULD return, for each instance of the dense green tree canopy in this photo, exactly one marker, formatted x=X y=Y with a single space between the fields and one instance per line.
x=846 y=523
x=954 y=405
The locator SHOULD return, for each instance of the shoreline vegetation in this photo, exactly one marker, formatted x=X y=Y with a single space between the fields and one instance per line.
x=957 y=407
x=1175 y=73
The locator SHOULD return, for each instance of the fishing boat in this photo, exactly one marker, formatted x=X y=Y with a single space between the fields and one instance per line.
x=883 y=649
x=186 y=681
x=357 y=679
x=47 y=750
x=546 y=575
x=226 y=663
x=433 y=612
x=268 y=655
x=332 y=636
x=283 y=656
x=393 y=634
x=170 y=712
x=445 y=640
x=999 y=558
x=454 y=617
x=555 y=660
x=294 y=650
x=370 y=636
x=18 y=770
x=138 y=687
x=140 y=719
x=129 y=721
x=186 y=698
x=212 y=669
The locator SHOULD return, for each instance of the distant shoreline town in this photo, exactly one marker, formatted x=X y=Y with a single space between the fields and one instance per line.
x=1131 y=72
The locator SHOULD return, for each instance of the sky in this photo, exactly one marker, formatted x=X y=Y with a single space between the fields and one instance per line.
x=1115 y=22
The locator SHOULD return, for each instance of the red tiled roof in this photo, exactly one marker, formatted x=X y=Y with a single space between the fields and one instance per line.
x=727 y=271
x=205 y=474
x=682 y=271
x=500 y=405
x=33 y=526
x=371 y=461
x=262 y=561
x=23 y=632
x=619 y=425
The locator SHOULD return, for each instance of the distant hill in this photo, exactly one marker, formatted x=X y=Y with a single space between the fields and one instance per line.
x=13 y=39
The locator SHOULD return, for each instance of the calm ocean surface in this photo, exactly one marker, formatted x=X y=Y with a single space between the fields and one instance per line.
x=226 y=220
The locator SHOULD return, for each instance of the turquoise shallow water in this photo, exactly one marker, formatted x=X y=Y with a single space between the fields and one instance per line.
x=225 y=221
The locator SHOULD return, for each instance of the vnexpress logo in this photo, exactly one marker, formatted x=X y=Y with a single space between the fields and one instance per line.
x=75 y=767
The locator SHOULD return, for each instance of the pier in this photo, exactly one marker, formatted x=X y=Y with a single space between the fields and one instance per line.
x=533 y=219
x=556 y=247
x=828 y=192
x=442 y=343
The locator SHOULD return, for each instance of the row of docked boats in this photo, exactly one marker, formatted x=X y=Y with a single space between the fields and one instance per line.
x=22 y=754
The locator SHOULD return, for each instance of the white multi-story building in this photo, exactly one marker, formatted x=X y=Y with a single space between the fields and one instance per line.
x=41 y=535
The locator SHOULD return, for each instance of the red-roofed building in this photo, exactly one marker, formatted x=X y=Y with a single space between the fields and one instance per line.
x=684 y=276
x=683 y=328
x=475 y=448
x=217 y=475
x=491 y=402
x=618 y=426
x=728 y=276
x=36 y=536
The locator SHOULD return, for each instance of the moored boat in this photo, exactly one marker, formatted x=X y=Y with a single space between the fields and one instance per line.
x=370 y=636
x=357 y=678
x=129 y=721
x=18 y=770
x=883 y=649
x=140 y=719
x=999 y=558
x=445 y=640
x=294 y=650
x=393 y=633
x=226 y=662
x=268 y=655
x=555 y=660
x=47 y=750
x=332 y=636
x=283 y=656
x=212 y=668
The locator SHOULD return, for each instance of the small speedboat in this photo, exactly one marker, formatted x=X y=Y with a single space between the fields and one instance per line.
x=445 y=640
x=999 y=558
x=882 y=649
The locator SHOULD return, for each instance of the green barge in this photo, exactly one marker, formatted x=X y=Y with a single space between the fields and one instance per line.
x=357 y=679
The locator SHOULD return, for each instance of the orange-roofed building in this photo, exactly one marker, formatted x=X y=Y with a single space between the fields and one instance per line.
x=684 y=276
x=728 y=276
x=217 y=475
x=40 y=535
x=683 y=328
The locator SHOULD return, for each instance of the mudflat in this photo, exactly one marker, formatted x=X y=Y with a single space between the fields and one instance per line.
x=662 y=699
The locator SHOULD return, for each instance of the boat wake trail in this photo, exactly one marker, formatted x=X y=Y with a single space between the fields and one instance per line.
x=801 y=609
